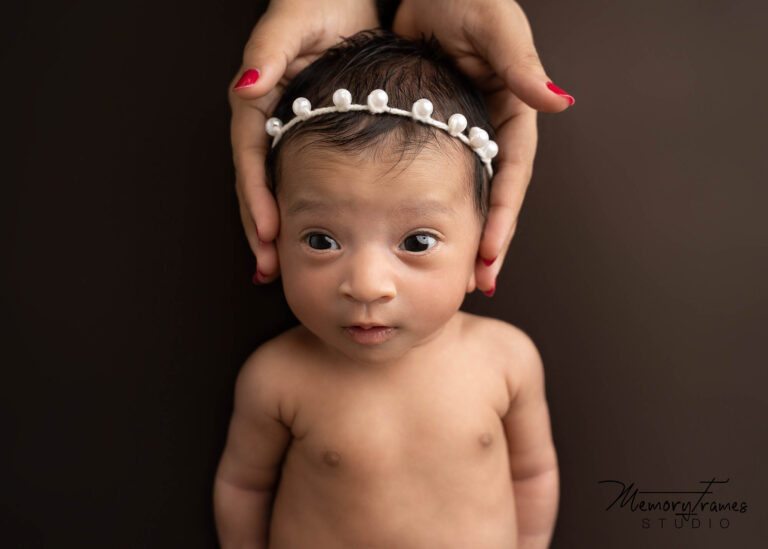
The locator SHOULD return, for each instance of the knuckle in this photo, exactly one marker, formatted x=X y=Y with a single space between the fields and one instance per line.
x=530 y=57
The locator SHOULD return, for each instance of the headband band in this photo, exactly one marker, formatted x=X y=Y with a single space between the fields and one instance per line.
x=421 y=111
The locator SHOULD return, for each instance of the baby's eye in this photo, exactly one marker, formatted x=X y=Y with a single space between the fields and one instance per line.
x=418 y=243
x=319 y=241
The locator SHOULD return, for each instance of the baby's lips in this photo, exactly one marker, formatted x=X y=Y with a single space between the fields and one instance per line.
x=367 y=325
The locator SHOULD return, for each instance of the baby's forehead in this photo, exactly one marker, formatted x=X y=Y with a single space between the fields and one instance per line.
x=445 y=168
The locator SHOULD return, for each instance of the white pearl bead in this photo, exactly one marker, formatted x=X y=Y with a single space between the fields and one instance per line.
x=456 y=124
x=377 y=101
x=274 y=126
x=490 y=150
x=478 y=138
x=301 y=106
x=422 y=109
x=342 y=99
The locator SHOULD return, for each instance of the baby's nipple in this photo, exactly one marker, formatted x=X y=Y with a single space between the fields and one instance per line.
x=486 y=439
x=332 y=458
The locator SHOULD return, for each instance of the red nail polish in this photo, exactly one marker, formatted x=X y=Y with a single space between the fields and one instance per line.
x=492 y=291
x=249 y=78
x=258 y=276
x=561 y=93
x=487 y=262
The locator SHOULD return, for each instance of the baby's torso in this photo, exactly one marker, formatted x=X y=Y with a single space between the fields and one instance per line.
x=417 y=459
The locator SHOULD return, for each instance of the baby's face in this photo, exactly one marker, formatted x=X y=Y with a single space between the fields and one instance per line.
x=376 y=256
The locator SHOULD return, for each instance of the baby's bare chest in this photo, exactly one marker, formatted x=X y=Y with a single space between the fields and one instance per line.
x=411 y=427
x=418 y=459
x=418 y=462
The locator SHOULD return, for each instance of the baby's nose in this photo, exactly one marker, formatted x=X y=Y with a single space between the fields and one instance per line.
x=368 y=278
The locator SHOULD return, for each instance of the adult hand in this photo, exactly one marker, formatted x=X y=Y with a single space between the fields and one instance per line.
x=491 y=42
x=287 y=38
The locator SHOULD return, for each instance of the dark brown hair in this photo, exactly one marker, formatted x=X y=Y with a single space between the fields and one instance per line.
x=407 y=70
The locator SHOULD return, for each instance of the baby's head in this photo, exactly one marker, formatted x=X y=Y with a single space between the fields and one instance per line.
x=380 y=215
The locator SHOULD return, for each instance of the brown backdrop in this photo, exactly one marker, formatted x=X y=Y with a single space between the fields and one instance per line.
x=639 y=267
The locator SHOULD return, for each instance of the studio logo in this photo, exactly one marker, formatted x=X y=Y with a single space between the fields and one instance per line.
x=676 y=508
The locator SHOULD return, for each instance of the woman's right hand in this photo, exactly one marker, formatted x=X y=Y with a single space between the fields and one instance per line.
x=288 y=37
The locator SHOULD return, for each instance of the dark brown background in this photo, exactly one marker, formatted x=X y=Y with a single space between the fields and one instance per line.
x=639 y=267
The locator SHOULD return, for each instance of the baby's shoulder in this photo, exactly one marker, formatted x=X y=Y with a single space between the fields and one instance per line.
x=505 y=345
x=283 y=349
x=503 y=337
x=272 y=371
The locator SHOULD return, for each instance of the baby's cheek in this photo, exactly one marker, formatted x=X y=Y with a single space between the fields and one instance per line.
x=439 y=300
x=307 y=298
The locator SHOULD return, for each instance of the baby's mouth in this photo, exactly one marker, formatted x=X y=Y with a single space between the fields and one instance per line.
x=369 y=334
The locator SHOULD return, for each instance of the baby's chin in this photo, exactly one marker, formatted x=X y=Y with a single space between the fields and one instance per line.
x=395 y=349
x=391 y=351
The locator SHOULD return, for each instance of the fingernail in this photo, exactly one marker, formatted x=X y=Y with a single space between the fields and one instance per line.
x=487 y=262
x=561 y=93
x=492 y=291
x=249 y=78
x=257 y=276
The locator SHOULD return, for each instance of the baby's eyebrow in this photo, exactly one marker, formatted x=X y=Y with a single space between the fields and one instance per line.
x=422 y=209
x=303 y=205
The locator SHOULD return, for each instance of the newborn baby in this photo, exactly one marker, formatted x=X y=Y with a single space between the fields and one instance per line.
x=388 y=418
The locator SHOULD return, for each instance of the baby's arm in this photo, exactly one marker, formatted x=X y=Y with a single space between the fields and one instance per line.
x=249 y=468
x=533 y=461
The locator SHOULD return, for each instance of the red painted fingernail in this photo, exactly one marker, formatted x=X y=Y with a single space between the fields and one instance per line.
x=258 y=276
x=487 y=262
x=561 y=93
x=249 y=78
x=492 y=291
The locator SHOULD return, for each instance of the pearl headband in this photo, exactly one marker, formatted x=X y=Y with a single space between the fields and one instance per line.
x=421 y=111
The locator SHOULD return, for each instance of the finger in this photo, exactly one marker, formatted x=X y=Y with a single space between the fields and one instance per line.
x=260 y=227
x=257 y=198
x=517 y=146
x=275 y=42
x=249 y=146
x=487 y=274
x=248 y=225
x=502 y=35
x=267 y=267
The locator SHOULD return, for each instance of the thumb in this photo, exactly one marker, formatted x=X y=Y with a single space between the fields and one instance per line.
x=274 y=43
x=506 y=42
